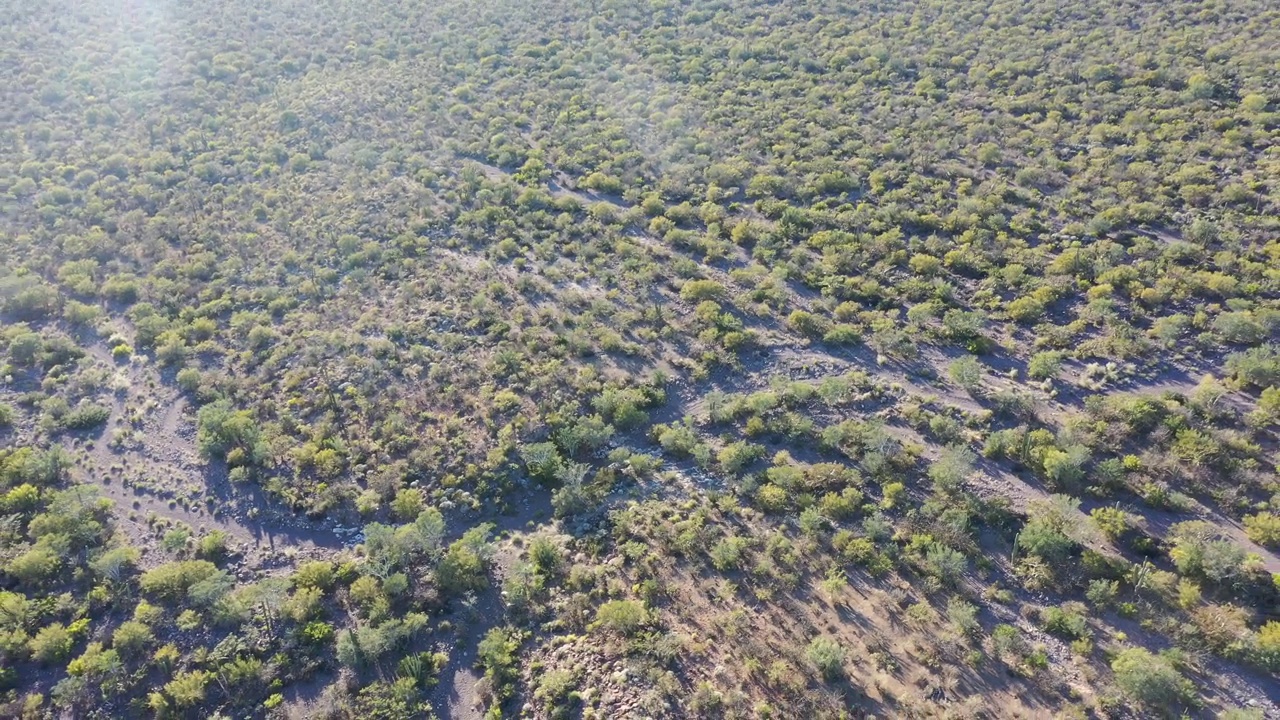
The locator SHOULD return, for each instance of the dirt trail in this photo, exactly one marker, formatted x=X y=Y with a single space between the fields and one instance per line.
x=456 y=697
x=996 y=480
x=992 y=480
x=145 y=460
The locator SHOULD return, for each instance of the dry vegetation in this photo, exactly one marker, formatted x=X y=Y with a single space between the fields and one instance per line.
x=704 y=359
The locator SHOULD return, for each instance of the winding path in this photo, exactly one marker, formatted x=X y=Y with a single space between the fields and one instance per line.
x=145 y=460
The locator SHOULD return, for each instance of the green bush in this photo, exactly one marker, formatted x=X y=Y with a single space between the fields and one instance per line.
x=826 y=655
x=1025 y=310
x=496 y=653
x=1045 y=365
x=187 y=689
x=131 y=637
x=1268 y=646
x=316 y=632
x=1264 y=529
x=1067 y=622
x=1151 y=680
x=464 y=565
x=542 y=460
x=1259 y=367
x=408 y=504
x=1200 y=550
x=314 y=574
x=1008 y=643
x=35 y=566
x=694 y=291
x=727 y=554
x=966 y=372
x=222 y=430
x=772 y=498
x=946 y=564
x=736 y=456
x=171 y=581
x=51 y=643
x=621 y=616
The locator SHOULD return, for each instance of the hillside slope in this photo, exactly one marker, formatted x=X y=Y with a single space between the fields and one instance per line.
x=705 y=359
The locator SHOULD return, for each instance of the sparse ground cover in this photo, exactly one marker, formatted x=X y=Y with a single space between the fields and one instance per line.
x=639 y=360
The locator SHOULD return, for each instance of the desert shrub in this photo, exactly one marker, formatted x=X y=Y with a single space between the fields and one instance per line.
x=963 y=617
x=554 y=687
x=952 y=468
x=727 y=554
x=316 y=633
x=1064 y=468
x=305 y=603
x=176 y=539
x=893 y=495
x=1066 y=621
x=1008 y=643
x=1200 y=550
x=840 y=506
x=35 y=566
x=1044 y=541
x=314 y=574
x=116 y=564
x=1259 y=366
x=542 y=460
x=808 y=324
x=1045 y=365
x=51 y=643
x=963 y=326
x=966 y=372
x=573 y=496
x=131 y=637
x=1050 y=531
x=621 y=616
x=587 y=433
x=496 y=653
x=86 y=417
x=1221 y=628
x=94 y=664
x=408 y=504
x=624 y=406
x=222 y=430
x=1267 y=648
x=842 y=334
x=736 y=456
x=1025 y=310
x=694 y=291
x=772 y=498
x=1241 y=328
x=213 y=546
x=465 y=563
x=679 y=440
x=1102 y=592
x=1112 y=522
x=946 y=564
x=1263 y=528
x=25 y=347
x=1151 y=680
x=171 y=581
x=826 y=655
x=422 y=668
x=188 y=688
x=546 y=555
